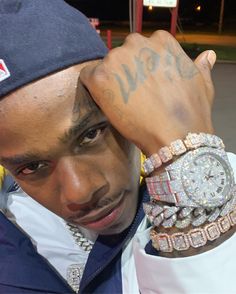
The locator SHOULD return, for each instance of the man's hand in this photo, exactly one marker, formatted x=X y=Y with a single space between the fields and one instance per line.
x=151 y=91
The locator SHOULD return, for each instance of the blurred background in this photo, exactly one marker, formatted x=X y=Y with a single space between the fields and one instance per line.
x=193 y=14
x=200 y=25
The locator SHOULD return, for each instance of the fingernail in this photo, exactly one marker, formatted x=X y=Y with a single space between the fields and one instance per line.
x=211 y=57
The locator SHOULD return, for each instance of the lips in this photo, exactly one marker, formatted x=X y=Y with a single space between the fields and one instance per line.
x=100 y=219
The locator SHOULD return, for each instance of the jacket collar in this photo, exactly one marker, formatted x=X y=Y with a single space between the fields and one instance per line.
x=21 y=266
x=106 y=248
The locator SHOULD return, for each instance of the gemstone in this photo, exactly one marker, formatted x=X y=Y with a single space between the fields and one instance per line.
x=192 y=141
x=165 y=154
x=197 y=238
x=232 y=217
x=148 y=166
x=168 y=223
x=180 y=241
x=224 y=224
x=199 y=220
x=177 y=147
x=156 y=160
x=168 y=212
x=164 y=243
x=158 y=220
x=185 y=211
x=199 y=211
x=214 y=215
x=184 y=223
x=212 y=231
x=147 y=207
x=157 y=209
x=228 y=206
x=74 y=275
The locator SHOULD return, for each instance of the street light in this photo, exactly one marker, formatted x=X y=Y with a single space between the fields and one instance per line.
x=150 y=7
x=198 y=8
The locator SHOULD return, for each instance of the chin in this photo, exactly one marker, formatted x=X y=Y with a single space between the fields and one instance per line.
x=116 y=228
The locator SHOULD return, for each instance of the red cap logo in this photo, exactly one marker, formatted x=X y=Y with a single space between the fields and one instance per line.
x=4 y=72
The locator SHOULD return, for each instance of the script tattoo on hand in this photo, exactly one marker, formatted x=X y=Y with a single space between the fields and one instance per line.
x=109 y=98
x=183 y=63
x=185 y=67
x=146 y=63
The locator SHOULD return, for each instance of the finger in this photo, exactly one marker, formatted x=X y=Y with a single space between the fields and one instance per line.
x=91 y=76
x=205 y=62
x=207 y=58
x=167 y=41
x=100 y=83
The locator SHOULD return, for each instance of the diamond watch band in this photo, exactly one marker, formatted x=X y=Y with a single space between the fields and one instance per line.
x=179 y=147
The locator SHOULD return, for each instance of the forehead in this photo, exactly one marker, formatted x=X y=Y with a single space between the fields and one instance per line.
x=41 y=110
x=44 y=91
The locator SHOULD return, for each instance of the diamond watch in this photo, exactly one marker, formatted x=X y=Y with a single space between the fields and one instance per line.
x=200 y=178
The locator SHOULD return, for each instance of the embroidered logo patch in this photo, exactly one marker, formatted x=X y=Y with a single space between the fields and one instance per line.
x=4 y=72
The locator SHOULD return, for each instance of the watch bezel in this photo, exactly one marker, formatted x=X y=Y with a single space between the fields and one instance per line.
x=178 y=170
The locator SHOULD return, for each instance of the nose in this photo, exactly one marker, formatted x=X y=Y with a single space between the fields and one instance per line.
x=81 y=182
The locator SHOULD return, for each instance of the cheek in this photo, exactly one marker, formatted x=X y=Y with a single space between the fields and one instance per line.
x=126 y=176
x=124 y=158
x=44 y=193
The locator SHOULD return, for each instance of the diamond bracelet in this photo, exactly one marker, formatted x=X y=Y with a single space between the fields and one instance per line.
x=194 y=238
x=182 y=217
x=179 y=147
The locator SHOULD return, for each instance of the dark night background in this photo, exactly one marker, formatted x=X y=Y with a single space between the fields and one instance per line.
x=119 y=10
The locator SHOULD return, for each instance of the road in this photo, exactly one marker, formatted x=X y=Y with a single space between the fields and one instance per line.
x=207 y=39
x=211 y=39
x=224 y=109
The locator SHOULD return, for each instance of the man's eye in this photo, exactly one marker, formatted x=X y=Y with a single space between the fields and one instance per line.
x=32 y=168
x=92 y=136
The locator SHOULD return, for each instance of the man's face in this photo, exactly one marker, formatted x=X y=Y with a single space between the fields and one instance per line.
x=64 y=153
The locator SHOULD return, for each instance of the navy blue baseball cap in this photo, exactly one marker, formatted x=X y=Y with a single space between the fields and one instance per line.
x=39 y=37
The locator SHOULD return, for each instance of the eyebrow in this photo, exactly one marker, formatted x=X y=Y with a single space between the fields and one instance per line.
x=21 y=159
x=79 y=126
x=68 y=136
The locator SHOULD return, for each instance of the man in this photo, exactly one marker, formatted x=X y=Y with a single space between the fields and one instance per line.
x=66 y=154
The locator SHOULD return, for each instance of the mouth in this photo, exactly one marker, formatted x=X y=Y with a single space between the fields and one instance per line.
x=98 y=220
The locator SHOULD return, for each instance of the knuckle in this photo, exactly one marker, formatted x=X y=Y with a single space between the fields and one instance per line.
x=133 y=38
x=115 y=56
x=99 y=74
x=163 y=35
x=165 y=38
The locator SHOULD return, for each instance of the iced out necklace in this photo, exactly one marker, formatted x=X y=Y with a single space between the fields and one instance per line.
x=75 y=271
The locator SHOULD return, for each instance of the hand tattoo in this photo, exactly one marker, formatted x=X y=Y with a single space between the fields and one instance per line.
x=146 y=63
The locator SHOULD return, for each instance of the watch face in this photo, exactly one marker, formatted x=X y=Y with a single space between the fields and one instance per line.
x=207 y=179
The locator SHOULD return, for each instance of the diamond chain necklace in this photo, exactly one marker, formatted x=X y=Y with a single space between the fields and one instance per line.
x=79 y=238
x=75 y=271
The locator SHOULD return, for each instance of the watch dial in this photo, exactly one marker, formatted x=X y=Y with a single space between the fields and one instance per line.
x=207 y=180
